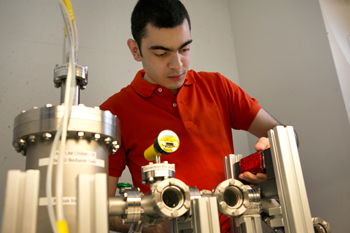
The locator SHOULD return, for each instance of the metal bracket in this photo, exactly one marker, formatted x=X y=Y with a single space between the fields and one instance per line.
x=290 y=182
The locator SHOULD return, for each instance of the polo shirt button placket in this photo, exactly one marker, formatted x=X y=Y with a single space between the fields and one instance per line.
x=160 y=89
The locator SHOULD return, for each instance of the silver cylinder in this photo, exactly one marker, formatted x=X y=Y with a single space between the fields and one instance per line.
x=235 y=199
x=92 y=134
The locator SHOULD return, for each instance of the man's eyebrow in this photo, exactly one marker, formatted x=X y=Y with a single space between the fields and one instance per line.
x=186 y=43
x=156 y=47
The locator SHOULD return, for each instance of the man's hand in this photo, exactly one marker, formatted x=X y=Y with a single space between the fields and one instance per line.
x=262 y=144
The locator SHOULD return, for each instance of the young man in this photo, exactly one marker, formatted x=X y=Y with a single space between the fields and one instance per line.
x=201 y=108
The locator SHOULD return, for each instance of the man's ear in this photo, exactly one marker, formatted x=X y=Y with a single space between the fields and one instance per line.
x=134 y=49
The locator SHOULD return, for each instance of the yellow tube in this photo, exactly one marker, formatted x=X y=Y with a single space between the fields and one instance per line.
x=69 y=8
x=150 y=152
x=62 y=227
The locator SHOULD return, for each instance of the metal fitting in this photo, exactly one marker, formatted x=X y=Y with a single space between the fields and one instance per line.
x=321 y=226
x=61 y=71
x=31 y=138
x=20 y=145
x=133 y=209
x=171 y=198
x=157 y=171
x=234 y=198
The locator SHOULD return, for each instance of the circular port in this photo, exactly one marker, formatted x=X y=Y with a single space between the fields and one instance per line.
x=173 y=197
x=233 y=197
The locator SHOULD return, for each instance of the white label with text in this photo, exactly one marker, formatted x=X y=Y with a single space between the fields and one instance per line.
x=75 y=157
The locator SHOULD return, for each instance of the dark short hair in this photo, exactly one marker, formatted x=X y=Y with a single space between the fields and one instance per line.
x=159 y=13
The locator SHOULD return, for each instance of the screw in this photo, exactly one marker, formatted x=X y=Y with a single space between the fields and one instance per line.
x=232 y=182
x=97 y=136
x=108 y=140
x=223 y=204
x=187 y=204
x=84 y=82
x=175 y=213
x=160 y=205
x=47 y=136
x=115 y=145
x=31 y=138
x=21 y=142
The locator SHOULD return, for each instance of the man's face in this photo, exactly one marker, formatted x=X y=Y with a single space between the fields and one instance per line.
x=166 y=54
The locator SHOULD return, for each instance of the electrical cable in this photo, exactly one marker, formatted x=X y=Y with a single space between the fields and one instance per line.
x=223 y=224
x=68 y=102
x=59 y=225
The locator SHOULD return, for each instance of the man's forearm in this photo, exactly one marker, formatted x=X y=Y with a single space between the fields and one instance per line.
x=115 y=224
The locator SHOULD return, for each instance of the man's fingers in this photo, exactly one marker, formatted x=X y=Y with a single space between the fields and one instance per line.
x=262 y=144
x=253 y=179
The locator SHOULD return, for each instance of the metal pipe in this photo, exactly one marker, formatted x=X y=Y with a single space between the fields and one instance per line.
x=117 y=206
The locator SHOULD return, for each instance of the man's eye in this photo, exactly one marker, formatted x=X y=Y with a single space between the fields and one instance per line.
x=160 y=54
x=185 y=50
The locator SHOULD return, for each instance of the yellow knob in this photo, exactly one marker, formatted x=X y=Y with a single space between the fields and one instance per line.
x=165 y=143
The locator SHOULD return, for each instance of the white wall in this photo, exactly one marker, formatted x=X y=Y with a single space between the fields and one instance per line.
x=31 y=43
x=336 y=15
x=284 y=58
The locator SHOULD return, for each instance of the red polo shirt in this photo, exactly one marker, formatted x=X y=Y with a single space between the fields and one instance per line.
x=202 y=114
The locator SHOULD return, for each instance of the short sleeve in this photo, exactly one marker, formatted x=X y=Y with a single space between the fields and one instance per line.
x=243 y=108
x=117 y=163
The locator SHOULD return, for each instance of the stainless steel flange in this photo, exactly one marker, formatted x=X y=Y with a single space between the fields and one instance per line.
x=38 y=124
x=157 y=171
x=133 y=209
x=171 y=198
x=234 y=198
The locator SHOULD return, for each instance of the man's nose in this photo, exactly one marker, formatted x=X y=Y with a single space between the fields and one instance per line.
x=175 y=61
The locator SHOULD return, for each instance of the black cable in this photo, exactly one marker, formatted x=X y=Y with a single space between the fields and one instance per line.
x=224 y=222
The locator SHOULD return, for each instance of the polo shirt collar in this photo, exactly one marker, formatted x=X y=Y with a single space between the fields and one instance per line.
x=146 y=89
